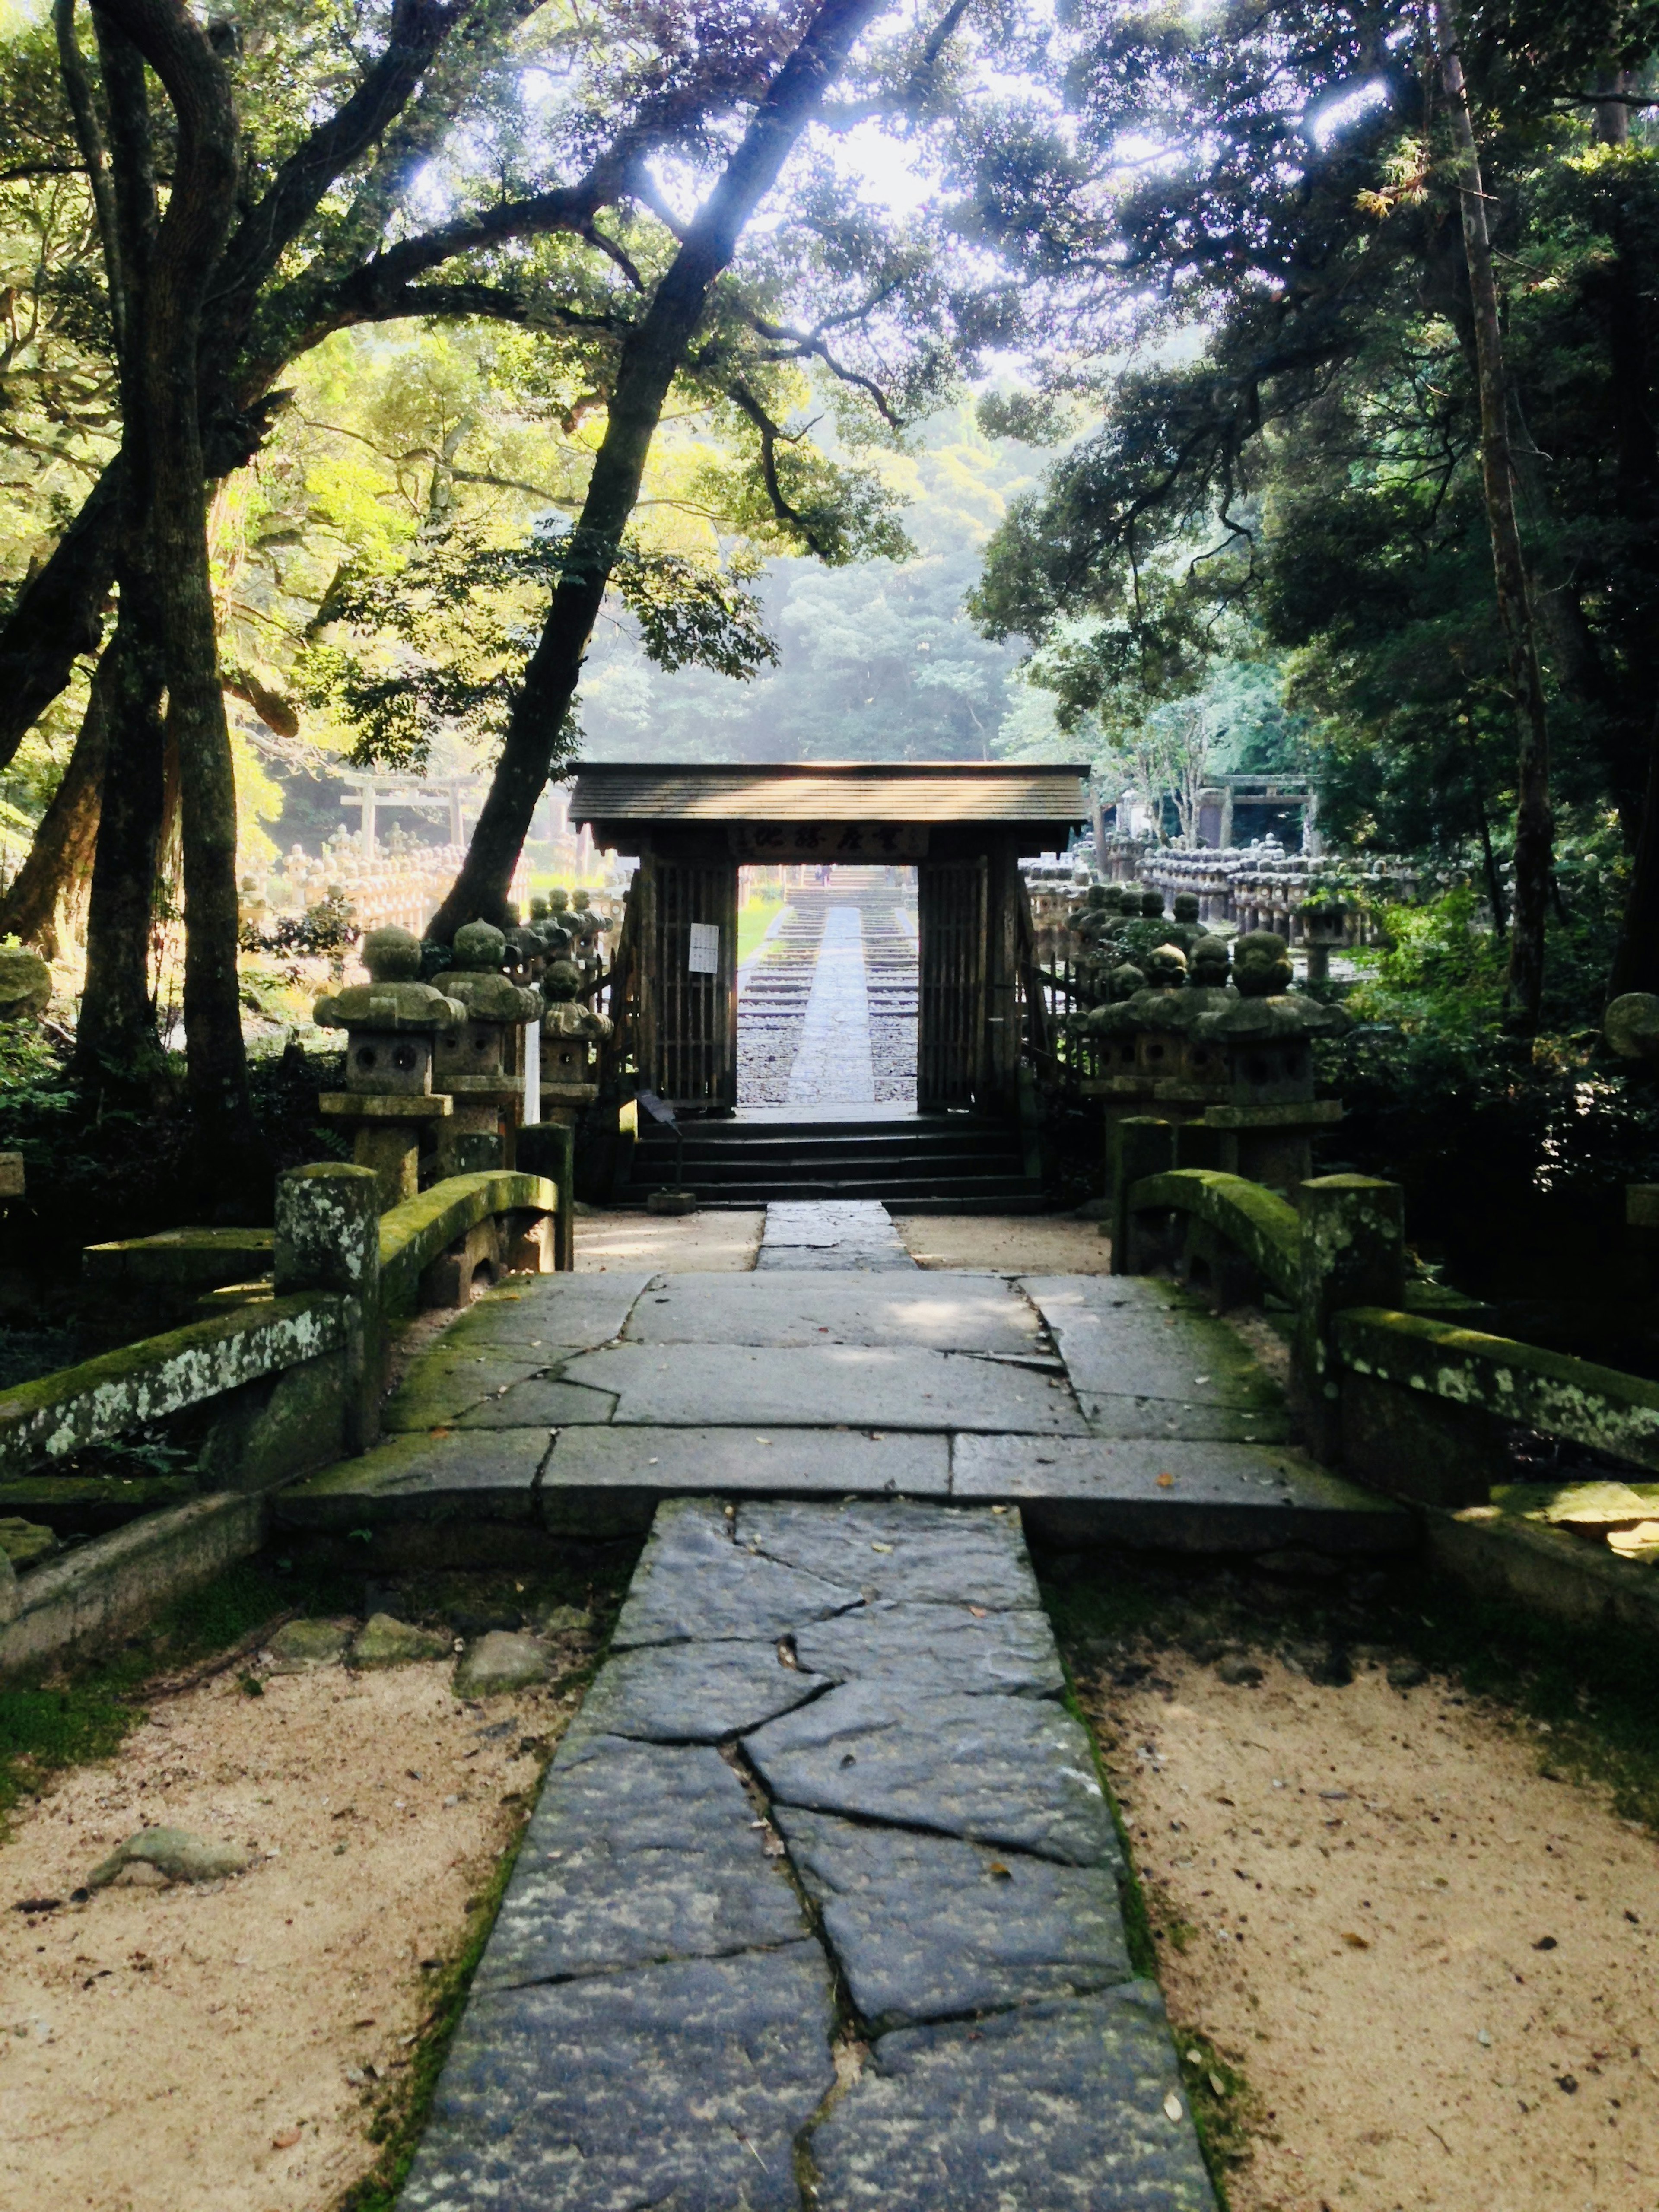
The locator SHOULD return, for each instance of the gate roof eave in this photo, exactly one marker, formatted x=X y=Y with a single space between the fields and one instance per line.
x=1039 y=802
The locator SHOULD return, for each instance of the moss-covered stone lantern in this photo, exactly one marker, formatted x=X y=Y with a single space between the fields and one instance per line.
x=392 y=1023
x=477 y=1059
x=572 y=1034
x=1233 y=1065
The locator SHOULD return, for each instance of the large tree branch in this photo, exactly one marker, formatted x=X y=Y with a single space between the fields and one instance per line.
x=89 y=136
x=652 y=357
x=418 y=28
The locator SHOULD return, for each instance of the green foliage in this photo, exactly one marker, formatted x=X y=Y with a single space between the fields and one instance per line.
x=454 y=604
x=1442 y=968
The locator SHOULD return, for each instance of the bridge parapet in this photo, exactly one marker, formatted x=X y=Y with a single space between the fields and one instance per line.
x=1387 y=1379
x=290 y=1376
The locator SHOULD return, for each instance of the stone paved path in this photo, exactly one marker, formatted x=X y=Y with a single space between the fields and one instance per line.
x=819 y=1909
x=832 y=1060
x=827 y=1002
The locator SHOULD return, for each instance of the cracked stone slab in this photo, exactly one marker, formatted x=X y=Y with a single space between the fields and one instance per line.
x=937 y=1647
x=929 y=1927
x=1017 y=1771
x=893 y=1549
x=1126 y=1345
x=443 y=1384
x=693 y=1583
x=1217 y=1496
x=489 y=1475
x=1058 y=2107
x=697 y=1693
x=540 y=1402
x=874 y=1388
x=939 y=1313
x=681 y=2086
x=1120 y=1415
x=734 y=1459
x=636 y=1853
x=550 y=1313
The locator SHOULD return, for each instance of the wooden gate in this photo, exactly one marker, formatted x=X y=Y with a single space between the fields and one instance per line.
x=689 y=1016
x=950 y=1032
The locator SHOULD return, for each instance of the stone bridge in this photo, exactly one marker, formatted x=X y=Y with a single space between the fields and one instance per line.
x=825 y=1802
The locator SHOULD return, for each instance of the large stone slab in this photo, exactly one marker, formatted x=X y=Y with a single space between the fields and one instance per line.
x=693 y=1583
x=854 y=1233
x=697 y=1692
x=680 y=2087
x=1144 y=1418
x=445 y=1383
x=485 y=1477
x=541 y=1401
x=547 y=1312
x=1119 y=1342
x=1011 y=1770
x=937 y=1311
x=731 y=1460
x=893 y=1549
x=1178 y=1496
x=1059 y=2107
x=976 y=1653
x=929 y=1928
x=636 y=1853
x=865 y=1387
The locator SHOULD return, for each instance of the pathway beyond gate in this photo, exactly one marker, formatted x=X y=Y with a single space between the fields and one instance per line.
x=820 y=1909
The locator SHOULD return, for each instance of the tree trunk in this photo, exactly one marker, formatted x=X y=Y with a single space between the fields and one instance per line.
x=192 y=236
x=116 y=1044
x=1535 y=828
x=651 y=358
x=48 y=886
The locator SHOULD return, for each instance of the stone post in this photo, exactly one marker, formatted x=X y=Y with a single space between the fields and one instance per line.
x=1141 y=1146
x=328 y=1238
x=548 y=1149
x=1353 y=1254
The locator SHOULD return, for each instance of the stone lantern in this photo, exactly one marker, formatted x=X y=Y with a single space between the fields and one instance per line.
x=392 y=1023
x=477 y=1055
x=1324 y=931
x=1233 y=1067
x=571 y=1035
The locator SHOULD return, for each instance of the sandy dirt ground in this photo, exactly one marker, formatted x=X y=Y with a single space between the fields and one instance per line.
x=1007 y=1243
x=722 y=1244
x=1435 y=1967
x=714 y=1243
x=222 y=2048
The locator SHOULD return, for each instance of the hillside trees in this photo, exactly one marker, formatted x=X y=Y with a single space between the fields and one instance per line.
x=1311 y=447
x=257 y=210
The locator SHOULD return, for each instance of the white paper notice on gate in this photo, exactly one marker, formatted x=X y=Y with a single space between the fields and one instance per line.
x=704 y=958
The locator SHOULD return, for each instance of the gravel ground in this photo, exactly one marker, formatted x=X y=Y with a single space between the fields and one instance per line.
x=226 y=2048
x=1432 y=1962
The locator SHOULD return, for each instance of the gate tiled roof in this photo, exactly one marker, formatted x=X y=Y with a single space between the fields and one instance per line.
x=645 y=792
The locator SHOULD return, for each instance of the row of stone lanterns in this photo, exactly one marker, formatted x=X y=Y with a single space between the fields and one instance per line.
x=501 y=1036
x=1191 y=1029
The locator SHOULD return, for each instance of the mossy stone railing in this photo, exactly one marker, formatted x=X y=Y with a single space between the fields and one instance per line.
x=1410 y=1399
x=1522 y=1385
x=340 y=1272
x=1260 y=1226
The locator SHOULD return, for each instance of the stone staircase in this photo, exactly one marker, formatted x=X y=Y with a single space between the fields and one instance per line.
x=917 y=1164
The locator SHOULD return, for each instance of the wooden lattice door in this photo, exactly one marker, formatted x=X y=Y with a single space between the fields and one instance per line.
x=688 y=986
x=950 y=1032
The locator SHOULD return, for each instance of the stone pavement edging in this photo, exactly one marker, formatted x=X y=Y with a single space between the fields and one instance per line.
x=864 y=1950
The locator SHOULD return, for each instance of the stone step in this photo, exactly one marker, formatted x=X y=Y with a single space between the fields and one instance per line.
x=599 y=1481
